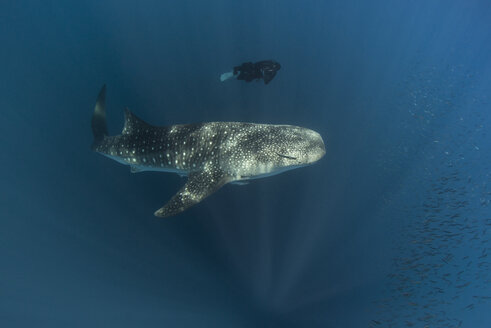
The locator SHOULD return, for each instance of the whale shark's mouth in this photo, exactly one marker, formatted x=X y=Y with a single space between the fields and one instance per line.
x=285 y=156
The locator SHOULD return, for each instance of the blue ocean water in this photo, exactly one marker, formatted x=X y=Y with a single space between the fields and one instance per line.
x=391 y=228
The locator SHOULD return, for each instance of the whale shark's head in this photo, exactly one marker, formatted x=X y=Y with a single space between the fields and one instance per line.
x=297 y=147
x=282 y=148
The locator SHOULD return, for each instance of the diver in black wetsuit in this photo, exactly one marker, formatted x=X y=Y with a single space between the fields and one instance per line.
x=265 y=70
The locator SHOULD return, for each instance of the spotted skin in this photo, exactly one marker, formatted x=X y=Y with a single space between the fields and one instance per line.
x=209 y=154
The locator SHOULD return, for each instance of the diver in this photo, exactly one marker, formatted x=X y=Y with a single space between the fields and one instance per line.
x=265 y=70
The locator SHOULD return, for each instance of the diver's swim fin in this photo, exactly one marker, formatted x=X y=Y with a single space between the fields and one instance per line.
x=226 y=76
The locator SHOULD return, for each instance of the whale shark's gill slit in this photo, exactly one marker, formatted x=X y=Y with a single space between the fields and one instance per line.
x=285 y=156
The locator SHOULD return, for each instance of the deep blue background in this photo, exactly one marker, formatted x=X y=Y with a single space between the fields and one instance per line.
x=398 y=89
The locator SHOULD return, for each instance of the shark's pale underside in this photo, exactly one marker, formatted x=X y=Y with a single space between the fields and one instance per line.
x=209 y=154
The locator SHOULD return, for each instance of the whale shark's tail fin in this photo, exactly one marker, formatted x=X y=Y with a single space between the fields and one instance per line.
x=99 y=127
x=226 y=76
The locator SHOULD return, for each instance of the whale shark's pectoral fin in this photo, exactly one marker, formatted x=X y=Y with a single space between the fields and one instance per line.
x=199 y=186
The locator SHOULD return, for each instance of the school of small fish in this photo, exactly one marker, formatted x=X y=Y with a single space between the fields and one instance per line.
x=441 y=270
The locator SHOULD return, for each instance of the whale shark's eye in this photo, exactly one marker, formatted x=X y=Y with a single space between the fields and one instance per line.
x=285 y=156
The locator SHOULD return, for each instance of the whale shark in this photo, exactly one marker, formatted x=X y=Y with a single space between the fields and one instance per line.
x=210 y=154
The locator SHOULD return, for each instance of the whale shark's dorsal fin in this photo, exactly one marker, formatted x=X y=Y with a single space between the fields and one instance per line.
x=133 y=123
x=199 y=186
